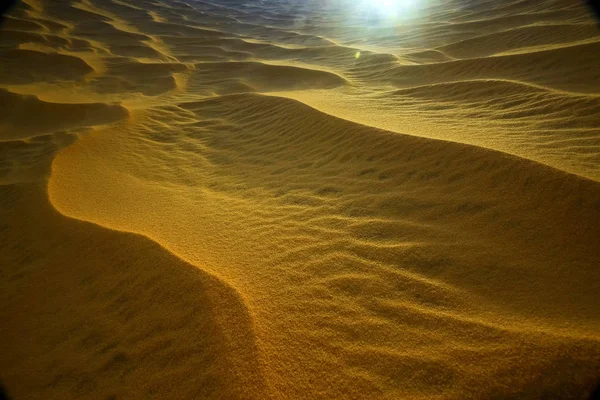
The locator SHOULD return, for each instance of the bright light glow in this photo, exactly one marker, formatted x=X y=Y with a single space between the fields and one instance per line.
x=390 y=8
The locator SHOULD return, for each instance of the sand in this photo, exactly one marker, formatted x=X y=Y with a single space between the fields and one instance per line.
x=299 y=200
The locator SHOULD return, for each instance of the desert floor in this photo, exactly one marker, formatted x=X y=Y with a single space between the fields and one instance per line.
x=318 y=199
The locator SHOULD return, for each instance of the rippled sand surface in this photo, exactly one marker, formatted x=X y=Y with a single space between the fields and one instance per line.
x=299 y=199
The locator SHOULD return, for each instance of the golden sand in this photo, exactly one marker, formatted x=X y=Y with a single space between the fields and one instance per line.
x=299 y=200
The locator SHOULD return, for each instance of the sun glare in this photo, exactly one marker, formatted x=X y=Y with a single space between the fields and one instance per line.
x=390 y=8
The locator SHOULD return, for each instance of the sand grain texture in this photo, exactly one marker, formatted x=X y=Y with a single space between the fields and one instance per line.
x=299 y=200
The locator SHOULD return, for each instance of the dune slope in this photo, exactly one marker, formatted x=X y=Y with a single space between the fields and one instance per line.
x=376 y=257
x=299 y=200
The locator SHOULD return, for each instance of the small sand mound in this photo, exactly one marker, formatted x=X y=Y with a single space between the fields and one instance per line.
x=265 y=77
x=20 y=25
x=16 y=111
x=427 y=56
x=29 y=66
x=550 y=68
x=521 y=38
x=130 y=75
x=472 y=91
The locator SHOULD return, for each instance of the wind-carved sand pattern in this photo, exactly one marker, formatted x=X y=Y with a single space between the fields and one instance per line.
x=299 y=200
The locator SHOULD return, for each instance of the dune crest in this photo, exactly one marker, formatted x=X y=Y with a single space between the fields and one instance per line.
x=299 y=200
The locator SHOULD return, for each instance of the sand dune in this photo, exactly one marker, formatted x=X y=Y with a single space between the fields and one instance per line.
x=261 y=77
x=299 y=200
x=16 y=112
x=139 y=323
x=27 y=66
x=521 y=38
x=550 y=71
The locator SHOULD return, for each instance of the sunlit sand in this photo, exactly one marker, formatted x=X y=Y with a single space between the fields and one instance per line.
x=299 y=200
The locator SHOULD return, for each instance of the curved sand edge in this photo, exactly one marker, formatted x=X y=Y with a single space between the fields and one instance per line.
x=97 y=313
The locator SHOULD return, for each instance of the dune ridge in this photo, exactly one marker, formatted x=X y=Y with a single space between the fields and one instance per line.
x=299 y=200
